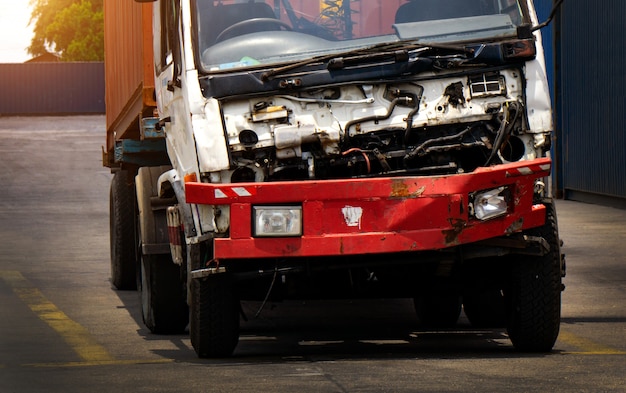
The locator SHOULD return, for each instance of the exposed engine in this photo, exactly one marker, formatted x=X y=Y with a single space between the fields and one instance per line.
x=437 y=126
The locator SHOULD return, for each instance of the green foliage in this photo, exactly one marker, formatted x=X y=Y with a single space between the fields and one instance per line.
x=73 y=29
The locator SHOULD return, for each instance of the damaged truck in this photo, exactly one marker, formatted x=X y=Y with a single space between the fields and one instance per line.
x=305 y=149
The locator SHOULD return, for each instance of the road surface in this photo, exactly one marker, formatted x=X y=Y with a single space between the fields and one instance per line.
x=64 y=329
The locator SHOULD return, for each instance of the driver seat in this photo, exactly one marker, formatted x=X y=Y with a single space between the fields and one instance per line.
x=423 y=10
x=223 y=16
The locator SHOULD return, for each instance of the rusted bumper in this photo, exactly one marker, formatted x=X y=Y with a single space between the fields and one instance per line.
x=394 y=214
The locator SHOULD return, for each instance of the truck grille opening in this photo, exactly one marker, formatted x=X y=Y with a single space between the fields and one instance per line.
x=492 y=84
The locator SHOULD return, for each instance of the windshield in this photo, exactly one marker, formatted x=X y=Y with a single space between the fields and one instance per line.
x=245 y=33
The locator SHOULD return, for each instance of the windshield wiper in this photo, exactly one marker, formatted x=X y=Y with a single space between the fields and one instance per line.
x=337 y=63
x=400 y=51
x=324 y=58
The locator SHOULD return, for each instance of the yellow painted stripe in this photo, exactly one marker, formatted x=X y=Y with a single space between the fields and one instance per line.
x=586 y=346
x=98 y=363
x=73 y=333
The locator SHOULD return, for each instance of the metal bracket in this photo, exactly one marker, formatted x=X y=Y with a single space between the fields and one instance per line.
x=155 y=249
x=150 y=152
x=152 y=127
x=203 y=273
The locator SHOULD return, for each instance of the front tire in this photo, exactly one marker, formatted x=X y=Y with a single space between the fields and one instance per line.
x=534 y=296
x=214 y=317
x=163 y=290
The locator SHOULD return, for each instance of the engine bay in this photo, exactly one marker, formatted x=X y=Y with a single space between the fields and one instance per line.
x=428 y=127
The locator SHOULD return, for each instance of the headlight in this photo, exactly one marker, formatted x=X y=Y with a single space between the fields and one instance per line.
x=277 y=221
x=489 y=204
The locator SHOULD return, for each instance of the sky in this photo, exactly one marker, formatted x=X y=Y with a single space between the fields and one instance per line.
x=15 y=32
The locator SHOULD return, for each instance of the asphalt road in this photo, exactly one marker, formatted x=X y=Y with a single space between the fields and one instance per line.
x=64 y=329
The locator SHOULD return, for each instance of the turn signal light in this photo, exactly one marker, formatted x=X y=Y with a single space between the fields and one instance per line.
x=191 y=178
x=519 y=49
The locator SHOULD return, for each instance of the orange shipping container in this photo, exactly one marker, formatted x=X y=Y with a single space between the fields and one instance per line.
x=129 y=69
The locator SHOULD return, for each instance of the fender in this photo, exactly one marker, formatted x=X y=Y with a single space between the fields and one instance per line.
x=170 y=182
x=152 y=220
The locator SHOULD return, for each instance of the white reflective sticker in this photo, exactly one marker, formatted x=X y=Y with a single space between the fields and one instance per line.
x=242 y=192
x=352 y=215
x=219 y=194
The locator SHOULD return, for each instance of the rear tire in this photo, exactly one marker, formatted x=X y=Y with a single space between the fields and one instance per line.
x=214 y=317
x=534 y=296
x=163 y=304
x=122 y=220
x=485 y=309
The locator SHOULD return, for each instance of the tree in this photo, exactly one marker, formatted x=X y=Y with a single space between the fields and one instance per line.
x=73 y=29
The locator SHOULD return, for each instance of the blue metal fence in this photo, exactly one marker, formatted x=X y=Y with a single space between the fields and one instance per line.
x=592 y=106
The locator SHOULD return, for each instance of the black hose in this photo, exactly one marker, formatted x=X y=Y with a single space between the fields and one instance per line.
x=397 y=101
x=416 y=152
x=504 y=131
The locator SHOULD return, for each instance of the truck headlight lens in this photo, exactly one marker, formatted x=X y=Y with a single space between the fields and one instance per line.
x=489 y=204
x=277 y=221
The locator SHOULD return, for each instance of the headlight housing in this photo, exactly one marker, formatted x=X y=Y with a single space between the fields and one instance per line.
x=488 y=204
x=277 y=221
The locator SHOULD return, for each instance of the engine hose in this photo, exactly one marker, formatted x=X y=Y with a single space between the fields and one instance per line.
x=365 y=157
x=409 y=122
x=504 y=131
x=394 y=103
x=423 y=147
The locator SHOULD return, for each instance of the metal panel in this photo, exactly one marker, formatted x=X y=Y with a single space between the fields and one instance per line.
x=592 y=106
x=51 y=88
x=388 y=216
x=129 y=66
x=543 y=8
x=550 y=47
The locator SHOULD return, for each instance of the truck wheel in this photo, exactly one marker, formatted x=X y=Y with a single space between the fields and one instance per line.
x=163 y=296
x=534 y=296
x=486 y=309
x=122 y=219
x=163 y=305
x=214 y=317
x=437 y=310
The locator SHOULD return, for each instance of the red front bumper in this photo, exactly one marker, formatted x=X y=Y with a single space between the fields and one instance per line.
x=397 y=213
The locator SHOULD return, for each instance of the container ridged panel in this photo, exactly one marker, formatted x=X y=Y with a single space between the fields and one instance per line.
x=128 y=59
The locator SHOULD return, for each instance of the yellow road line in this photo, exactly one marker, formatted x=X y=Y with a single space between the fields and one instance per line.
x=98 y=363
x=586 y=346
x=73 y=333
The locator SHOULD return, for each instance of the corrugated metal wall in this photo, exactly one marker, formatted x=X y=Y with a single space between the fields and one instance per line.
x=592 y=105
x=51 y=88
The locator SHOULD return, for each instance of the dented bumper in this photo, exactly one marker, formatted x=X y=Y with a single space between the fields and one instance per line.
x=380 y=215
